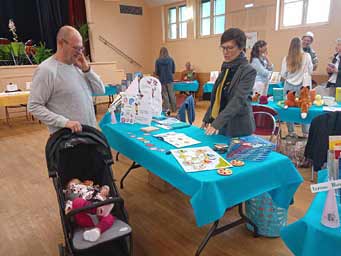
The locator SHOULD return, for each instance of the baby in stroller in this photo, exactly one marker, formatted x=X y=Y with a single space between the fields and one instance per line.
x=81 y=194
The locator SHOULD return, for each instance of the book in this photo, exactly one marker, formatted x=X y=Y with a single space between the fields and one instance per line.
x=275 y=78
x=199 y=159
x=178 y=140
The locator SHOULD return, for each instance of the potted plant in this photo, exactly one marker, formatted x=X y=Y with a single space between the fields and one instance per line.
x=41 y=53
x=84 y=31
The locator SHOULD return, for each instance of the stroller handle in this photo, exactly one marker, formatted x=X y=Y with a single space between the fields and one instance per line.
x=95 y=205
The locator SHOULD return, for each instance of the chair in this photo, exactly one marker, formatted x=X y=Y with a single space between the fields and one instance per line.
x=267 y=123
x=187 y=107
x=180 y=98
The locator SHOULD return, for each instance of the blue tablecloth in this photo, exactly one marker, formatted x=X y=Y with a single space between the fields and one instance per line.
x=211 y=194
x=208 y=87
x=307 y=236
x=109 y=91
x=293 y=115
x=272 y=86
x=190 y=86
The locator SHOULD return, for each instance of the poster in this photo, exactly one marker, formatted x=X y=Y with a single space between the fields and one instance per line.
x=199 y=159
x=251 y=39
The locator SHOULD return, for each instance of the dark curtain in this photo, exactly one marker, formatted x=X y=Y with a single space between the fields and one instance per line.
x=77 y=17
x=34 y=19
x=24 y=14
x=52 y=14
x=77 y=13
x=40 y=20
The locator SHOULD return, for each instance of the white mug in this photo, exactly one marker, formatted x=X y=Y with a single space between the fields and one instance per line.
x=28 y=85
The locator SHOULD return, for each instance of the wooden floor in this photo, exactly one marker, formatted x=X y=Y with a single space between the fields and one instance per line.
x=163 y=222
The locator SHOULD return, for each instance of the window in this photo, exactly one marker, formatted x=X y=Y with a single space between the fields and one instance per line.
x=177 y=22
x=304 y=12
x=212 y=17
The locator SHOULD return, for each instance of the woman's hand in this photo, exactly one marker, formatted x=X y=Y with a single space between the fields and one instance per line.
x=204 y=125
x=210 y=130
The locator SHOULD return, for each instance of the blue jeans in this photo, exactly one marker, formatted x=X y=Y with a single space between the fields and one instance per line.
x=296 y=89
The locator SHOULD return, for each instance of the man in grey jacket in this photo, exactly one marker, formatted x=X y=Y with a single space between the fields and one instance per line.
x=62 y=86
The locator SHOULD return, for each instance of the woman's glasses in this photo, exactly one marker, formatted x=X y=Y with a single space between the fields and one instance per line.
x=227 y=48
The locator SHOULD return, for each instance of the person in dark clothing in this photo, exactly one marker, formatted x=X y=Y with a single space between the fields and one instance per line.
x=230 y=111
x=334 y=70
x=164 y=69
x=321 y=128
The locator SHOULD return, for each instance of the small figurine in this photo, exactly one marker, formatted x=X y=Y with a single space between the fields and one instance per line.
x=318 y=100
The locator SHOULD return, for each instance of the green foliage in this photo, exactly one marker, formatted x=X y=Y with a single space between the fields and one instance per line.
x=41 y=53
x=84 y=31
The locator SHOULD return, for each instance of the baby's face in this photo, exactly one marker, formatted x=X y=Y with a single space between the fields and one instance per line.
x=73 y=182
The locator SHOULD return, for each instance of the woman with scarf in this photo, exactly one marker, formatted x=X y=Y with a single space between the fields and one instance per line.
x=230 y=111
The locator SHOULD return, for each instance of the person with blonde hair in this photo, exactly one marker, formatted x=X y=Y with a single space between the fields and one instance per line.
x=297 y=68
x=164 y=69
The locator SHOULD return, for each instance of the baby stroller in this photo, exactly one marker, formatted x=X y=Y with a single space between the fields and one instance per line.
x=87 y=156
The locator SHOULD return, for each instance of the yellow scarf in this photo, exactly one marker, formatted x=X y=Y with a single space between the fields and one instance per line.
x=216 y=104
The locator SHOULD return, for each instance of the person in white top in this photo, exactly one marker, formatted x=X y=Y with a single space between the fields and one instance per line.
x=261 y=63
x=334 y=69
x=297 y=68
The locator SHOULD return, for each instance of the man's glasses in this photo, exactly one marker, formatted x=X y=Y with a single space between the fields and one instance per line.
x=76 y=48
x=227 y=48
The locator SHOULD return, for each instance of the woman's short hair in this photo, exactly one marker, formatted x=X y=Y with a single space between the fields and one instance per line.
x=234 y=34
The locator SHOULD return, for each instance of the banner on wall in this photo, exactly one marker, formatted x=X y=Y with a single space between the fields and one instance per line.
x=251 y=39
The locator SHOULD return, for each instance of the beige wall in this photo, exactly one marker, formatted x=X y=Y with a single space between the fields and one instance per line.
x=206 y=56
x=130 y=33
x=142 y=37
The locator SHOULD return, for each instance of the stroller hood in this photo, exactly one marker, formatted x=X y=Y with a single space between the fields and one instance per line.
x=65 y=139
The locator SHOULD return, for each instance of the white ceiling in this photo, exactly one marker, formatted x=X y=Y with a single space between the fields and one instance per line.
x=160 y=2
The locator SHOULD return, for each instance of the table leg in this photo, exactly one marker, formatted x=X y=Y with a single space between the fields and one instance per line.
x=132 y=167
x=215 y=230
x=7 y=116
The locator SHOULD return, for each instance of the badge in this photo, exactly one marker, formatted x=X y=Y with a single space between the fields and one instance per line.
x=224 y=172
x=237 y=163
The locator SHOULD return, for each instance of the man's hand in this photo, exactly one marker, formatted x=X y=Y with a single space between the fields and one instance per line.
x=74 y=126
x=82 y=63
x=210 y=130
x=331 y=69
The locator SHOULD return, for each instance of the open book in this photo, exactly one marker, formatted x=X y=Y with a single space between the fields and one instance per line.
x=275 y=78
